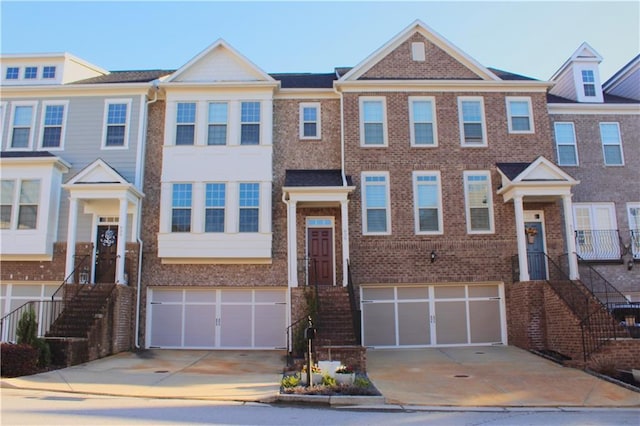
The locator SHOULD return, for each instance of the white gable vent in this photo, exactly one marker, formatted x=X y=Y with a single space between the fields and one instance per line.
x=417 y=51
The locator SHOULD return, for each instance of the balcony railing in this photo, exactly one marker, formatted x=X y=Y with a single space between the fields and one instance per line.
x=598 y=244
x=635 y=243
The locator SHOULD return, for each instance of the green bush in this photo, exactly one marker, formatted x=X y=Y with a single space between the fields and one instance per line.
x=18 y=360
x=290 y=381
x=327 y=380
x=27 y=334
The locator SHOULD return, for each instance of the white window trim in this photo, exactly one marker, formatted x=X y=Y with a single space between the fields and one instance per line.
x=526 y=99
x=416 y=207
x=239 y=207
x=15 y=204
x=364 y=204
x=34 y=105
x=385 y=139
x=3 y=109
x=575 y=143
x=318 y=121
x=619 y=144
x=592 y=206
x=467 y=206
x=434 y=121
x=63 y=125
x=127 y=124
x=485 y=142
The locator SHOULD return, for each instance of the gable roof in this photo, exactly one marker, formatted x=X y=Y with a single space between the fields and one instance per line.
x=220 y=44
x=584 y=53
x=634 y=63
x=539 y=170
x=132 y=76
x=318 y=178
x=97 y=172
x=433 y=37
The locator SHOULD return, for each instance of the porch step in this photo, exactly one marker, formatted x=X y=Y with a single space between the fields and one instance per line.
x=335 y=320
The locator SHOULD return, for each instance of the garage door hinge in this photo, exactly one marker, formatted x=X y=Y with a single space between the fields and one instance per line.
x=154 y=347
x=281 y=303
x=156 y=303
x=494 y=298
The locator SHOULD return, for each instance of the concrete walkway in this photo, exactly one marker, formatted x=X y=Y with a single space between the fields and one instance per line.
x=496 y=376
x=499 y=377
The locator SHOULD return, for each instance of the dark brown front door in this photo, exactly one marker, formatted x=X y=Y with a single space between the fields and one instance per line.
x=321 y=256
x=106 y=254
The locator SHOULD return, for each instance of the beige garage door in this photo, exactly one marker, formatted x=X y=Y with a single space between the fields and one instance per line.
x=418 y=316
x=216 y=318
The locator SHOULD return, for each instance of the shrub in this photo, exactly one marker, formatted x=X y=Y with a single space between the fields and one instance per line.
x=27 y=330
x=327 y=380
x=44 y=352
x=361 y=382
x=290 y=381
x=18 y=360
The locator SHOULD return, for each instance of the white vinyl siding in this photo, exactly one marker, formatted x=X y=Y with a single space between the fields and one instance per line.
x=54 y=116
x=611 y=144
x=478 y=202
x=23 y=115
x=422 y=114
x=566 y=148
x=310 y=123
x=473 y=132
x=376 y=217
x=519 y=115
x=427 y=196
x=373 y=122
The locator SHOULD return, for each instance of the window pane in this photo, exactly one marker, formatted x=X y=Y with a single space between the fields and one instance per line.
x=30 y=192
x=181 y=220
x=587 y=76
x=589 y=90
x=6 y=195
x=250 y=112
x=372 y=111
x=473 y=132
x=249 y=195
x=217 y=134
x=471 y=111
x=309 y=113
x=12 y=73
x=520 y=123
x=612 y=155
x=20 y=138
x=115 y=136
x=376 y=220
x=427 y=196
x=480 y=219
x=186 y=113
x=373 y=133
x=376 y=196
x=27 y=217
x=248 y=220
x=422 y=112
x=424 y=133
x=214 y=220
x=185 y=134
x=49 y=72
x=217 y=113
x=5 y=217
x=117 y=114
x=22 y=116
x=51 y=137
x=310 y=129
x=567 y=155
x=564 y=133
x=609 y=133
x=250 y=134
x=53 y=115
x=31 y=72
x=519 y=108
x=181 y=195
x=428 y=219
x=215 y=195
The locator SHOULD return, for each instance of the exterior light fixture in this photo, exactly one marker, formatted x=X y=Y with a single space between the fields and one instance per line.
x=630 y=264
x=84 y=276
x=433 y=256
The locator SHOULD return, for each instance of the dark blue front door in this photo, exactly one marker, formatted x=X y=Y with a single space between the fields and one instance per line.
x=535 y=251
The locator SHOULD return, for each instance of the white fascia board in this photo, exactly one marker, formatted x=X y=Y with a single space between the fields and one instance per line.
x=317 y=193
x=442 y=85
x=103 y=190
x=77 y=90
x=586 y=109
x=57 y=162
x=217 y=84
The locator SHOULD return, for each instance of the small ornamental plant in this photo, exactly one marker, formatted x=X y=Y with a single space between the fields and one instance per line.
x=314 y=369
x=344 y=369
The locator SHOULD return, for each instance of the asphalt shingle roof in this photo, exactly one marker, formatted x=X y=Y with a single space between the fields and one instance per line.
x=512 y=170
x=608 y=99
x=314 y=178
x=305 y=80
x=139 y=76
x=25 y=154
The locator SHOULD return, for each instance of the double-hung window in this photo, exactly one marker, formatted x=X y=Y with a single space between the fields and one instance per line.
x=310 y=121
x=373 y=127
x=116 y=123
x=423 y=123
x=519 y=115
x=428 y=202
x=6 y=203
x=185 y=123
x=611 y=144
x=214 y=207
x=217 y=133
x=472 y=123
x=53 y=125
x=249 y=205
x=28 y=204
x=375 y=203
x=566 y=144
x=181 y=207
x=588 y=83
x=22 y=125
x=12 y=73
x=478 y=202
x=250 y=123
x=31 y=73
x=49 y=72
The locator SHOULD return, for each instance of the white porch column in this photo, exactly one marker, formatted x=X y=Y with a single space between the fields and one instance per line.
x=122 y=240
x=72 y=226
x=292 y=243
x=571 y=242
x=345 y=241
x=521 y=238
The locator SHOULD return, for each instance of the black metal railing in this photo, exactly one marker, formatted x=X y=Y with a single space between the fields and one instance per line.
x=355 y=312
x=606 y=292
x=599 y=244
x=47 y=311
x=635 y=243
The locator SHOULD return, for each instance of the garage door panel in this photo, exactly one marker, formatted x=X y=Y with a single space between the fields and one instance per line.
x=269 y=331
x=169 y=296
x=451 y=323
x=413 y=323
x=484 y=316
x=235 y=330
x=200 y=296
x=379 y=319
x=166 y=325
x=200 y=326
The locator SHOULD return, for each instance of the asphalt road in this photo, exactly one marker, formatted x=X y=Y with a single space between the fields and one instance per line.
x=23 y=407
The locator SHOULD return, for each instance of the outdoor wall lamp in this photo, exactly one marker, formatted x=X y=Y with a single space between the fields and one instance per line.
x=630 y=264
x=433 y=256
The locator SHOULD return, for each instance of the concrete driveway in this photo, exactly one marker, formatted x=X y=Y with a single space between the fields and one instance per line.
x=221 y=375
x=502 y=376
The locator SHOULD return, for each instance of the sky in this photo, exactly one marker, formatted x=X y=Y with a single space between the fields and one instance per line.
x=532 y=38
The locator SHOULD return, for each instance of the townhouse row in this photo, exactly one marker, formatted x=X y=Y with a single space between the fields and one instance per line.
x=216 y=193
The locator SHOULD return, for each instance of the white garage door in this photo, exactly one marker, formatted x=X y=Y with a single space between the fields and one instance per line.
x=216 y=318
x=417 y=316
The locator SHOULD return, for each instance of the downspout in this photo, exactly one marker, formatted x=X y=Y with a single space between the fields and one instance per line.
x=141 y=245
x=344 y=177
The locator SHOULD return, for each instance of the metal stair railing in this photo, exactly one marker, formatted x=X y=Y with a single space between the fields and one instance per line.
x=355 y=312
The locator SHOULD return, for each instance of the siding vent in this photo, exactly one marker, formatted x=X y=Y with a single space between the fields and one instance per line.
x=417 y=51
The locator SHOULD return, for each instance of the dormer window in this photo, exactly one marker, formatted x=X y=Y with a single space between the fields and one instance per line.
x=30 y=73
x=49 y=72
x=12 y=73
x=588 y=83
